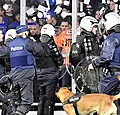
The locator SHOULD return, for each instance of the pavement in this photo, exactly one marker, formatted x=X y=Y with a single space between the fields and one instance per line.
x=55 y=113
x=35 y=113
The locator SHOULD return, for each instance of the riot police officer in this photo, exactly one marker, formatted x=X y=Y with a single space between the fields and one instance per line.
x=21 y=51
x=49 y=71
x=2 y=61
x=83 y=51
x=5 y=69
x=110 y=57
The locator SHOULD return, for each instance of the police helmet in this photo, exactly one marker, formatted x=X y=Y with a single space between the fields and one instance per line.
x=111 y=19
x=88 y=22
x=48 y=29
x=10 y=34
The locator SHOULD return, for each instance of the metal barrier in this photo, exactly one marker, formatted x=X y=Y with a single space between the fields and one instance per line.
x=34 y=106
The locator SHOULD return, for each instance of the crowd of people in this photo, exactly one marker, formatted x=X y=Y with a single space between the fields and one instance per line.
x=40 y=57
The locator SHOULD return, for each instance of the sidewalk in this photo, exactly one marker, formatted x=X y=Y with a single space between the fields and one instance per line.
x=35 y=113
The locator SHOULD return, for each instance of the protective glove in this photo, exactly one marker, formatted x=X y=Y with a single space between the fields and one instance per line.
x=90 y=67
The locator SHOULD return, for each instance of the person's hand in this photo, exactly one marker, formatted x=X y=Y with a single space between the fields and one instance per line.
x=1 y=36
x=31 y=38
x=90 y=67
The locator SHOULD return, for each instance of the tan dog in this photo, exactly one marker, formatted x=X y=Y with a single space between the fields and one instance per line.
x=101 y=103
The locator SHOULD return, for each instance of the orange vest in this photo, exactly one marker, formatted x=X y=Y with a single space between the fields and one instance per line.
x=64 y=41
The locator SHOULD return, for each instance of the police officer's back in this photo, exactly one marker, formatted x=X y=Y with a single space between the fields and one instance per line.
x=49 y=71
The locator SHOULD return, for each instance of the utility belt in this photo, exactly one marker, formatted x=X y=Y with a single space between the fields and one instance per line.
x=48 y=69
x=112 y=71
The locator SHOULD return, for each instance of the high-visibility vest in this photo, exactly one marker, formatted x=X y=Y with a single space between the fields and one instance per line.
x=64 y=41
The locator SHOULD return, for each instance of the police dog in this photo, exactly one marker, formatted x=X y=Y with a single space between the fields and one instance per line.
x=88 y=103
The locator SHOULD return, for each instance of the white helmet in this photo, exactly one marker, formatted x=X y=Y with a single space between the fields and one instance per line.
x=48 y=29
x=111 y=19
x=10 y=34
x=88 y=22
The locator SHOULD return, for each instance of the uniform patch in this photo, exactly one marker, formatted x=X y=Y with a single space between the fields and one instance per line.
x=16 y=48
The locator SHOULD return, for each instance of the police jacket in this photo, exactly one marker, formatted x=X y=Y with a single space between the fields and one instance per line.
x=53 y=58
x=48 y=60
x=18 y=51
x=110 y=54
x=86 y=47
x=19 y=55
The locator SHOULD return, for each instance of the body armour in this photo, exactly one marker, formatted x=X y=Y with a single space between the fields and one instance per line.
x=86 y=47
x=116 y=57
x=19 y=56
x=89 y=46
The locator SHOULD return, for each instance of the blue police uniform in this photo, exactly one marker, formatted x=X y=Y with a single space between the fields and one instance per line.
x=110 y=59
x=22 y=71
x=19 y=56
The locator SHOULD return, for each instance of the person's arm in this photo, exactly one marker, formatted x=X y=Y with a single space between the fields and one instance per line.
x=59 y=40
x=35 y=48
x=107 y=52
x=4 y=52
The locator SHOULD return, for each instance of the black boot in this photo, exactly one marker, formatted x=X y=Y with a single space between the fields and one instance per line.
x=49 y=107
x=41 y=108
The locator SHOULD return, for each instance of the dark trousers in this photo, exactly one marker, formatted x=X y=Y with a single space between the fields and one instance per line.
x=47 y=99
x=36 y=91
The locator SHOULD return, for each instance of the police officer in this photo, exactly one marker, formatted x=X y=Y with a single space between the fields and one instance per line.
x=2 y=61
x=22 y=66
x=110 y=57
x=84 y=50
x=49 y=71
x=9 y=36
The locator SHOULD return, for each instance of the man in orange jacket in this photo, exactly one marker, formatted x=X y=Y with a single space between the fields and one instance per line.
x=63 y=42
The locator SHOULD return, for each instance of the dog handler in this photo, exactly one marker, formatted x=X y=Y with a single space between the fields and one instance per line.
x=110 y=57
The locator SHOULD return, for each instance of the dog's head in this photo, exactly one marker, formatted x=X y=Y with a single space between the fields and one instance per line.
x=63 y=94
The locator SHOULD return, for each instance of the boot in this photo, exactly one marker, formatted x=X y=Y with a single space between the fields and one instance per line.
x=41 y=108
x=49 y=107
